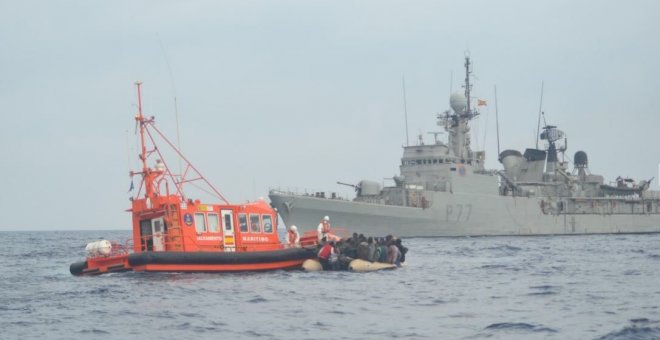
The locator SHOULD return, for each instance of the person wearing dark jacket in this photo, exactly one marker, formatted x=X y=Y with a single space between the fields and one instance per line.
x=363 y=251
x=403 y=250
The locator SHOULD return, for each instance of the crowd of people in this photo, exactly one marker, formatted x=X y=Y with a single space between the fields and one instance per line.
x=336 y=255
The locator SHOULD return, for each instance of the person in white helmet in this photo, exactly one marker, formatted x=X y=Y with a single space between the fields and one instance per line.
x=323 y=228
x=292 y=237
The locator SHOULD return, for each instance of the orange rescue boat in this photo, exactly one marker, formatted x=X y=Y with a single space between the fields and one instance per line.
x=173 y=233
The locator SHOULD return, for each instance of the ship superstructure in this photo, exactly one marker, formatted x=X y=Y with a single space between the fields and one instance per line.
x=444 y=190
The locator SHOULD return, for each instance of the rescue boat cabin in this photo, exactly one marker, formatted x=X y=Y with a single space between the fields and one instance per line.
x=167 y=224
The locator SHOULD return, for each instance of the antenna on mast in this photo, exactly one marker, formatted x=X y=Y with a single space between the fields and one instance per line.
x=451 y=83
x=176 y=106
x=405 y=107
x=538 y=125
x=497 y=123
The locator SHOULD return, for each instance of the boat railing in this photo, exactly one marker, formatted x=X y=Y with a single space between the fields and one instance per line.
x=116 y=249
x=333 y=195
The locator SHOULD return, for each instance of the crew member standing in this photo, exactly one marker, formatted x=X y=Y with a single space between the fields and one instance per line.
x=324 y=229
x=292 y=237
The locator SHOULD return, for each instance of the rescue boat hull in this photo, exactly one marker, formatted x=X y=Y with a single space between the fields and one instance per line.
x=198 y=262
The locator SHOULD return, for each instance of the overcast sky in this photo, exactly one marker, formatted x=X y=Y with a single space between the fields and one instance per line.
x=300 y=94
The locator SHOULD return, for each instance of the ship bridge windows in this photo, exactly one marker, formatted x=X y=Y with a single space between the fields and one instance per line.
x=243 y=223
x=200 y=223
x=254 y=223
x=214 y=223
x=207 y=222
x=268 y=223
x=424 y=161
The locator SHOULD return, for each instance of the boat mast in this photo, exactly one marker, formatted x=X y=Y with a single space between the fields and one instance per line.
x=139 y=118
x=150 y=176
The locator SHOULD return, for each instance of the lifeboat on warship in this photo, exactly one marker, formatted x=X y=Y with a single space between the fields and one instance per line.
x=174 y=233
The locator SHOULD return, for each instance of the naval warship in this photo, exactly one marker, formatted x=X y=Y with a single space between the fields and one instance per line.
x=444 y=190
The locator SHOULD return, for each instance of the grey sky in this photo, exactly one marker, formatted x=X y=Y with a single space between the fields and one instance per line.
x=301 y=94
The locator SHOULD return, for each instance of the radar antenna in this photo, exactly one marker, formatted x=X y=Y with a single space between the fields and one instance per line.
x=553 y=135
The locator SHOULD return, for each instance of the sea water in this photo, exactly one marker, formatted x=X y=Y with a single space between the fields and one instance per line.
x=544 y=287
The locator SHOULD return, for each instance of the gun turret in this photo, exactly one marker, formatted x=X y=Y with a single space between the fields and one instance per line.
x=356 y=187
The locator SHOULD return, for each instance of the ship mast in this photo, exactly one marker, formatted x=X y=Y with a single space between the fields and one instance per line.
x=467 y=82
x=456 y=121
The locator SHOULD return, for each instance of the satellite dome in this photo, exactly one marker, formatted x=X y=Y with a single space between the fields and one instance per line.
x=580 y=159
x=458 y=102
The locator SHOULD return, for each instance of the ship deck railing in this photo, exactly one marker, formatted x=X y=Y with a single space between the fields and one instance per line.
x=332 y=195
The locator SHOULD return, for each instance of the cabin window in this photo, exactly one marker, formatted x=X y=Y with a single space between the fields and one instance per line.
x=242 y=222
x=228 y=225
x=254 y=223
x=200 y=223
x=214 y=223
x=157 y=226
x=268 y=223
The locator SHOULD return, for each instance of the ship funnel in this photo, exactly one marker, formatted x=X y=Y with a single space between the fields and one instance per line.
x=511 y=160
x=458 y=102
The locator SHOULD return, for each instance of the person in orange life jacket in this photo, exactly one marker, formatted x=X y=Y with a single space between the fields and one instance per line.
x=324 y=254
x=323 y=228
x=292 y=237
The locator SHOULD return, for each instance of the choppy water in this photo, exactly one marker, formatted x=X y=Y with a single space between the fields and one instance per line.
x=566 y=287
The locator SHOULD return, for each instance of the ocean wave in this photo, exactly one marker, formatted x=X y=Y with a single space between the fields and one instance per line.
x=519 y=326
x=639 y=329
x=504 y=247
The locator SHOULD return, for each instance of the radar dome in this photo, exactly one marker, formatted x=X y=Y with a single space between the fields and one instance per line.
x=458 y=102
x=580 y=159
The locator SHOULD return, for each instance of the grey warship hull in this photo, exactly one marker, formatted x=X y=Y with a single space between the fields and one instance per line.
x=444 y=189
x=460 y=215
